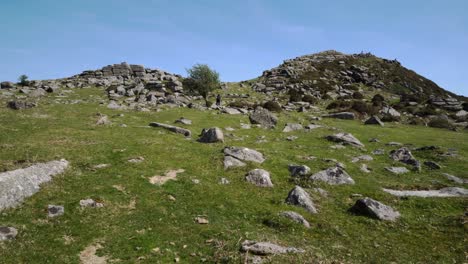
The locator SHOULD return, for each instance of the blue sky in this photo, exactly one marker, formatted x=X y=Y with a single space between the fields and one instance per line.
x=56 y=38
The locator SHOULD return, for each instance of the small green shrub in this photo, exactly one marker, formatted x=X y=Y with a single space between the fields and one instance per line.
x=294 y=95
x=440 y=122
x=309 y=99
x=272 y=106
x=378 y=100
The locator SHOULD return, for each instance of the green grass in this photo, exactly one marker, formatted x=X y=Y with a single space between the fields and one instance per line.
x=139 y=217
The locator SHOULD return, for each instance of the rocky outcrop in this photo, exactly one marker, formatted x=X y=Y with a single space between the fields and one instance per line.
x=17 y=185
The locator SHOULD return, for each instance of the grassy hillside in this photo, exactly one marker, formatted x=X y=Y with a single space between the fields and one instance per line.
x=142 y=223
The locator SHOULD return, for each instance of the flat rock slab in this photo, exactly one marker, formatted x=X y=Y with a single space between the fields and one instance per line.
x=7 y=233
x=455 y=179
x=174 y=129
x=17 y=185
x=334 y=176
x=231 y=162
x=289 y=127
x=267 y=248
x=397 y=170
x=444 y=192
x=170 y=175
x=375 y=209
x=345 y=138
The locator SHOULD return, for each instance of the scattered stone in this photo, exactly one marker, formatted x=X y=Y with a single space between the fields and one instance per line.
x=337 y=146
x=312 y=126
x=432 y=165
x=196 y=181
x=289 y=127
x=174 y=129
x=267 y=248
x=170 y=175
x=136 y=160
x=390 y=112
x=231 y=111
x=455 y=178
x=334 y=176
x=201 y=220
x=397 y=170
x=230 y=162
x=341 y=115
x=365 y=169
x=375 y=209
x=7 y=85
x=444 y=192
x=298 y=196
x=374 y=140
x=229 y=129
x=90 y=203
x=103 y=120
x=298 y=170
x=18 y=105
x=224 y=181
x=378 y=152
x=345 y=138
x=320 y=191
x=211 y=135
x=244 y=154
x=19 y=184
x=183 y=121
x=263 y=117
x=291 y=138
x=425 y=148
x=362 y=158
x=7 y=233
x=404 y=155
x=374 y=120
x=394 y=144
x=245 y=126
x=296 y=218
x=259 y=177
x=55 y=210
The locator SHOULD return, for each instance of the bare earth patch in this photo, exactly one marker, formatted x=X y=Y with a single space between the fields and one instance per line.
x=170 y=175
x=88 y=255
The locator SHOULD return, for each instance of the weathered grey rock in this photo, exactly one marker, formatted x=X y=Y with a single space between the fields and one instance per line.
x=298 y=196
x=18 y=105
x=259 y=177
x=365 y=168
x=19 y=184
x=7 y=85
x=345 y=138
x=432 y=165
x=267 y=248
x=103 y=120
x=444 y=192
x=211 y=135
x=404 y=155
x=375 y=209
x=378 y=152
x=37 y=92
x=174 y=129
x=292 y=127
x=55 y=210
x=224 y=181
x=298 y=170
x=389 y=111
x=231 y=162
x=291 y=138
x=263 y=117
x=296 y=218
x=455 y=178
x=90 y=203
x=7 y=233
x=244 y=154
x=114 y=105
x=362 y=158
x=374 y=120
x=183 y=121
x=312 y=126
x=397 y=170
x=341 y=115
x=333 y=176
